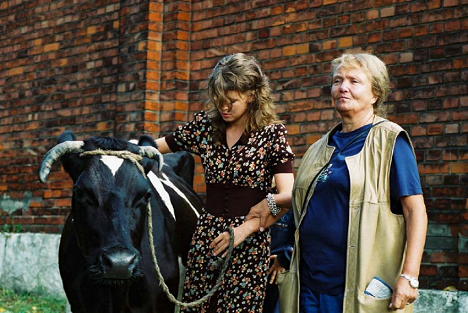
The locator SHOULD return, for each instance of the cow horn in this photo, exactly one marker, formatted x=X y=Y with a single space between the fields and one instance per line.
x=152 y=153
x=55 y=153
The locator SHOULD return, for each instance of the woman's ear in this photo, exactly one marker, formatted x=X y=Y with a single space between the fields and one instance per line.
x=251 y=97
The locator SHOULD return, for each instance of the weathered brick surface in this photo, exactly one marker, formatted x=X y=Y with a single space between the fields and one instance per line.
x=123 y=68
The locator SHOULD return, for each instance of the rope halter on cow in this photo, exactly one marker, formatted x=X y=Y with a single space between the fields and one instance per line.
x=150 y=152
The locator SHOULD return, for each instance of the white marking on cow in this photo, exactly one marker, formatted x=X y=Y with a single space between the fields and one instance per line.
x=162 y=192
x=168 y=183
x=112 y=162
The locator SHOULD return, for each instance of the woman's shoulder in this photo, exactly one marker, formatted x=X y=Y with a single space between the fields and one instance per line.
x=201 y=115
x=389 y=126
x=275 y=128
x=201 y=118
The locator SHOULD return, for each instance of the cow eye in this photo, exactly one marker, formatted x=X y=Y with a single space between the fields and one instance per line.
x=84 y=196
x=78 y=193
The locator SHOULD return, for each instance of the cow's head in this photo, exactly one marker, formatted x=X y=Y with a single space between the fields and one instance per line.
x=109 y=203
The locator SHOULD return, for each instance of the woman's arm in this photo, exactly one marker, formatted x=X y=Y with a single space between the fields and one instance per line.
x=163 y=147
x=284 y=185
x=414 y=211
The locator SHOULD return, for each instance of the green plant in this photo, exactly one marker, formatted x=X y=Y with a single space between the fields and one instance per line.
x=13 y=302
x=15 y=228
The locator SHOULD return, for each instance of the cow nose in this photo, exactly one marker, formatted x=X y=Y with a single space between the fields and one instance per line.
x=118 y=264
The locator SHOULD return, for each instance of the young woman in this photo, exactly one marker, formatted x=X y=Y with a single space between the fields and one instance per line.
x=242 y=147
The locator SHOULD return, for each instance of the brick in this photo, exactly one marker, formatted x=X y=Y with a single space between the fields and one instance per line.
x=434 y=117
x=406 y=57
x=418 y=131
x=428 y=270
x=433 y=155
x=330 y=44
x=435 y=129
x=452 y=128
x=450 y=3
x=459 y=167
x=434 y=169
x=345 y=42
x=375 y=37
x=51 y=47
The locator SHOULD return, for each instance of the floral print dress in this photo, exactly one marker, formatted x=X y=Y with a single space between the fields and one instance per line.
x=236 y=178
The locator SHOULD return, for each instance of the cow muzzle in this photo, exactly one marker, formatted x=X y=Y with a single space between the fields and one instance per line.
x=116 y=266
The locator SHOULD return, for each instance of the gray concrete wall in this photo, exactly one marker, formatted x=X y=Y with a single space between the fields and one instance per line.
x=28 y=262
x=436 y=301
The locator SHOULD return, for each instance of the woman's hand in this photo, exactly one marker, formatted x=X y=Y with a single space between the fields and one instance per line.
x=261 y=211
x=275 y=269
x=221 y=243
x=403 y=294
x=284 y=184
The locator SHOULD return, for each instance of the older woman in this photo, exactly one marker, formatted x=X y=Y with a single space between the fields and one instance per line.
x=358 y=204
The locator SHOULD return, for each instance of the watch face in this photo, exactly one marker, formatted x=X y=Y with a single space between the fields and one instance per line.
x=414 y=283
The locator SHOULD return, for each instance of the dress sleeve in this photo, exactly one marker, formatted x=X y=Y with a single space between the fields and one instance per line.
x=191 y=137
x=281 y=155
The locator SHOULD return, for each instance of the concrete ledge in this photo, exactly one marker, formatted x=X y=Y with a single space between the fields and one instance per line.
x=436 y=301
x=29 y=263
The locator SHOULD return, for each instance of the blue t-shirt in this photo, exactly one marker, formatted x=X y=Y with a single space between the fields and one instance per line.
x=324 y=229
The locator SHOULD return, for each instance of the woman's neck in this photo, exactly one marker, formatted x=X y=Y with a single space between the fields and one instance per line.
x=237 y=125
x=351 y=123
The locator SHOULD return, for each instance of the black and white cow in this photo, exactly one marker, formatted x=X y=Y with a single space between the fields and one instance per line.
x=104 y=256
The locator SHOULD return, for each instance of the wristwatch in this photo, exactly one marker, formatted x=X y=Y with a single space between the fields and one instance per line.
x=414 y=282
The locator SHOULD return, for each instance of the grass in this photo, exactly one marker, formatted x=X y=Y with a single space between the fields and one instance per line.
x=13 y=302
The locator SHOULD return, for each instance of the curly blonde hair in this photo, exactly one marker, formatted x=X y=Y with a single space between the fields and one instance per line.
x=375 y=70
x=241 y=73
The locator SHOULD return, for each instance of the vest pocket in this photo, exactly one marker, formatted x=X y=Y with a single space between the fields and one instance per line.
x=368 y=303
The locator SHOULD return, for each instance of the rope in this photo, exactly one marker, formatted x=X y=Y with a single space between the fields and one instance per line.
x=162 y=283
x=126 y=155
x=135 y=158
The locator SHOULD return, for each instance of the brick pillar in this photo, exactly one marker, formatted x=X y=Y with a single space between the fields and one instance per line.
x=175 y=64
x=134 y=56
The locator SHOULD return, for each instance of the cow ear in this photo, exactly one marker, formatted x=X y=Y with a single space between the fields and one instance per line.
x=67 y=135
x=147 y=140
x=71 y=162
x=73 y=165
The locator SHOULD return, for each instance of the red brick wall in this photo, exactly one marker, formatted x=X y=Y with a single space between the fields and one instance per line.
x=123 y=68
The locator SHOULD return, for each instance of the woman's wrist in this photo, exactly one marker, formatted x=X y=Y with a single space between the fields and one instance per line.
x=271 y=202
x=249 y=227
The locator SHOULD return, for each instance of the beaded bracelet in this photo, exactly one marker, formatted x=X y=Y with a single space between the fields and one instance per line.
x=275 y=210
